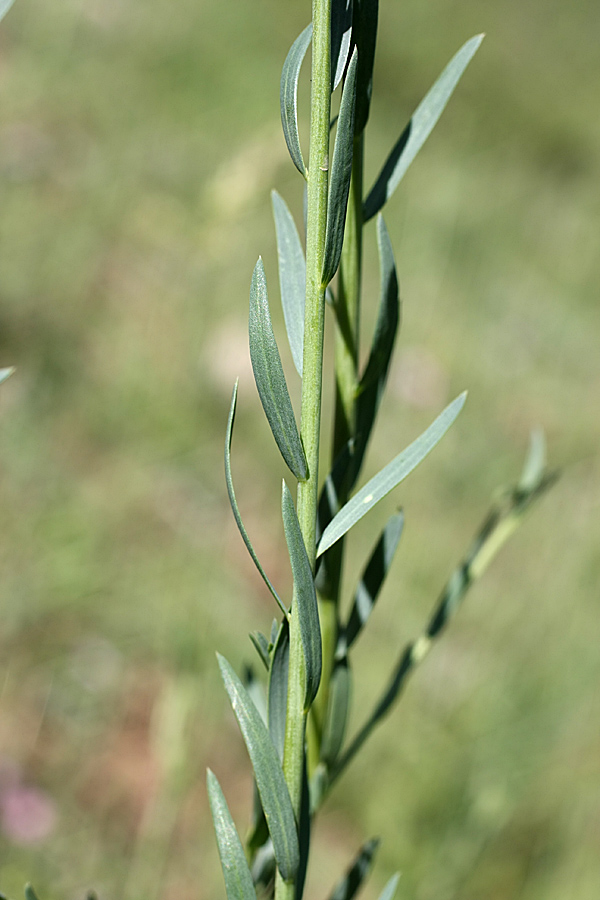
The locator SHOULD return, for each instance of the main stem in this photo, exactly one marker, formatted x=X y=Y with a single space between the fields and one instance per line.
x=312 y=376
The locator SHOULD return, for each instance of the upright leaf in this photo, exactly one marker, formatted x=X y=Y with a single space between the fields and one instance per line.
x=341 y=33
x=288 y=96
x=30 y=894
x=238 y=880
x=269 y=377
x=373 y=577
x=261 y=645
x=341 y=170
x=390 y=476
x=390 y=888
x=364 y=32
x=418 y=129
x=278 y=687
x=350 y=884
x=338 y=707
x=305 y=596
x=274 y=794
x=292 y=277
x=234 y=505
x=374 y=377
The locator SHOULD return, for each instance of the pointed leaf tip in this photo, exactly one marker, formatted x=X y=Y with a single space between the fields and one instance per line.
x=288 y=96
x=238 y=879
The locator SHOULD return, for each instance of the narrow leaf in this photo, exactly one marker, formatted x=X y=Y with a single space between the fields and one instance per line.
x=5 y=5
x=288 y=96
x=278 y=687
x=341 y=170
x=365 y=36
x=305 y=596
x=418 y=129
x=373 y=380
x=261 y=645
x=350 y=884
x=30 y=894
x=268 y=774
x=238 y=880
x=390 y=888
x=373 y=577
x=535 y=464
x=390 y=476
x=338 y=707
x=341 y=33
x=233 y=501
x=269 y=377
x=292 y=277
x=6 y=373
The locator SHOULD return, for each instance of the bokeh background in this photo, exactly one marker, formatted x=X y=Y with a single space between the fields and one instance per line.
x=138 y=145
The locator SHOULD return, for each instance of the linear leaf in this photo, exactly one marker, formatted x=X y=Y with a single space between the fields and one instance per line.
x=261 y=645
x=305 y=596
x=341 y=33
x=6 y=373
x=269 y=377
x=5 y=5
x=350 y=884
x=341 y=170
x=390 y=888
x=373 y=577
x=338 y=707
x=288 y=96
x=535 y=463
x=418 y=129
x=233 y=501
x=268 y=774
x=278 y=687
x=374 y=377
x=365 y=37
x=390 y=476
x=238 y=880
x=292 y=277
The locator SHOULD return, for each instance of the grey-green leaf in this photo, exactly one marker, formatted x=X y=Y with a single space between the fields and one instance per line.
x=373 y=577
x=288 y=96
x=535 y=464
x=238 y=879
x=261 y=645
x=390 y=888
x=292 y=277
x=418 y=129
x=366 y=14
x=374 y=377
x=305 y=596
x=350 y=884
x=341 y=171
x=278 y=687
x=338 y=707
x=269 y=377
x=233 y=501
x=341 y=34
x=390 y=476
x=5 y=5
x=274 y=794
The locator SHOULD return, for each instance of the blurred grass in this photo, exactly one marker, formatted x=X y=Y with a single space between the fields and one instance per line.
x=138 y=144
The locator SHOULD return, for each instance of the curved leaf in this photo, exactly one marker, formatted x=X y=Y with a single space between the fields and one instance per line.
x=418 y=129
x=373 y=577
x=350 y=884
x=269 y=377
x=374 y=377
x=341 y=33
x=305 y=596
x=261 y=645
x=292 y=277
x=278 y=687
x=341 y=171
x=288 y=96
x=390 y=476
x=233 y=501
x=274 y=794
x=238 y=880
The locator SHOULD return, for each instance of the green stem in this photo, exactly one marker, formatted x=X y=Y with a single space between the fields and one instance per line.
x=310 y=423
x=346 y=382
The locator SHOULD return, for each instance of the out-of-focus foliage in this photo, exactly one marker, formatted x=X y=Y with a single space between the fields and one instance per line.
x=138 y=143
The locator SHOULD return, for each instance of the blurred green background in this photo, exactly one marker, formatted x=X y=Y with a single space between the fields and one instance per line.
x=138 y=144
